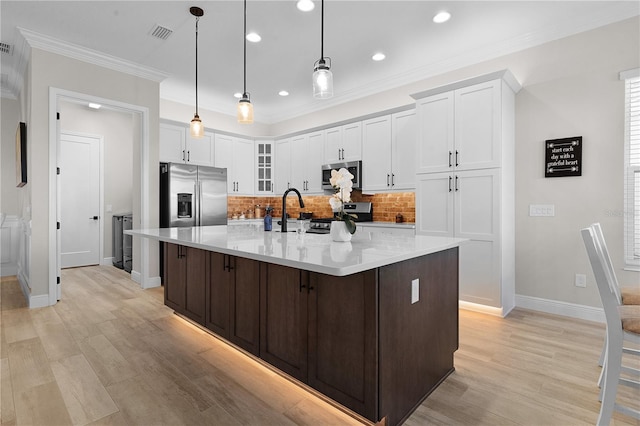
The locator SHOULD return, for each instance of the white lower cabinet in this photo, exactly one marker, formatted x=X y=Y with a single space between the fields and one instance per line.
x=466 y=205
x=380 y=229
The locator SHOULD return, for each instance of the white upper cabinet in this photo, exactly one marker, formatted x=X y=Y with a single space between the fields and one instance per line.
x=460 y=129
x=343 y=143
x=283 y=166
x=306 y=162
x=177 y=146
x=264 y=167
x=237 y=156
x=388 y=152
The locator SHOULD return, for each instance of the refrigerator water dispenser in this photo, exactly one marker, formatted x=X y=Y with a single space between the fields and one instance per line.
x=185 y=202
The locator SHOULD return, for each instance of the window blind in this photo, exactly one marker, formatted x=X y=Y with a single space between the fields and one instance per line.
x=632 y=169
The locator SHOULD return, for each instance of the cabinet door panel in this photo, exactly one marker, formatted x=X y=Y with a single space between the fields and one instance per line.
x=245 y=304
x=244 y=166
x=403 y=149
x=435 y=133
x=434 y=204
x=342 y=339
x=352 y=141
x=224 y=158
x=283 y=166
x=200 y=151
x=300 y=162
x=333 y=145
x=477 y=126
x=174 y=277
x=283 y=341
x=477 y=204
x=218 y=295
x=172 y=143
x=195 y=281
x=479 y=273
x=315 y=153
x=376 y=154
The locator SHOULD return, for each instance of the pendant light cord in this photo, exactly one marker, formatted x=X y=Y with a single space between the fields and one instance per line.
x=245 y=49
x=197 y=19
x=322 y=32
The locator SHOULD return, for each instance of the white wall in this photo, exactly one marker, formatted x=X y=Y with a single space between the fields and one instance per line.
x=117 y=129
x=9 y=119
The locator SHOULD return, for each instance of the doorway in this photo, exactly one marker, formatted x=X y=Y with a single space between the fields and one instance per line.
x=139 y=179
x=80 y=199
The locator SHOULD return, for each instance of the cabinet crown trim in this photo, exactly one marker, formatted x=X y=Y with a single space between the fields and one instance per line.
x=504 y=75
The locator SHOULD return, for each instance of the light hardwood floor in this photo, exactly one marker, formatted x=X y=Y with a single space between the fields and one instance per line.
x=111 y=354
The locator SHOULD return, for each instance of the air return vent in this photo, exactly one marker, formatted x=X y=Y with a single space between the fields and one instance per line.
x=161 y=32
x=5 y=48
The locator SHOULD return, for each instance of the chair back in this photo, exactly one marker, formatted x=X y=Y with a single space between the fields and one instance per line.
x=599 y=235
x=606 y=288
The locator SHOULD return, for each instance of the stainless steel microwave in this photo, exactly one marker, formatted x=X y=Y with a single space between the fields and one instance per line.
x=354 y=167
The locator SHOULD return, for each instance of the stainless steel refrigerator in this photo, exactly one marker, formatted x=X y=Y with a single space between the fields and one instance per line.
x=192 y=195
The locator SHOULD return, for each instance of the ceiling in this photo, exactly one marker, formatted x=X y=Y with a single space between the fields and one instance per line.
x=415 y=46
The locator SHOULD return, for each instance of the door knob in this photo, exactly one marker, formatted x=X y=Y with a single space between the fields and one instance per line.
x=94 y=218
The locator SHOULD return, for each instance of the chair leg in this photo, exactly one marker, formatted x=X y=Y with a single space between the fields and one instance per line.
x=609 y=390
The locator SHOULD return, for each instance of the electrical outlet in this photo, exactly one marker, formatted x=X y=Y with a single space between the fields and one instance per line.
x=415 y=290
x=581 y=280
x=542 y=210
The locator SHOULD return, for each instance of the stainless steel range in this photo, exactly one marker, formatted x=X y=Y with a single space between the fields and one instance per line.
x=362 y=211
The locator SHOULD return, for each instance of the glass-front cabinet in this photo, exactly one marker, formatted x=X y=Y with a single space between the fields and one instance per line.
x=264 y=167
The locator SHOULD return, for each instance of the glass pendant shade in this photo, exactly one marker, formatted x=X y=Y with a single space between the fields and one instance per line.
x=245 y=110
x=196 y=127
x=322 y=81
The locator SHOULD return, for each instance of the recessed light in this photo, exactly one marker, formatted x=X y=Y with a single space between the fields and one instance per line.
x=237 y=95
x=253 y=37
x=283 y=93
x=441 y=17
x=378 y=57
x=305 y=5
x=94 y=105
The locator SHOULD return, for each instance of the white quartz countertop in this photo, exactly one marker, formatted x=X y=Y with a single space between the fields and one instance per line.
x=311 y=252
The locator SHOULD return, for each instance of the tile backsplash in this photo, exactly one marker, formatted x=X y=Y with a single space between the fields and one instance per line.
x=385 y=206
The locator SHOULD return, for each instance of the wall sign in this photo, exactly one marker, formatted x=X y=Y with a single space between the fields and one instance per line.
x=563 y=157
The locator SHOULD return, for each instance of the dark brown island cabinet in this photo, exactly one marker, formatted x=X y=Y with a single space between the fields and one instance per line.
x=362 y=339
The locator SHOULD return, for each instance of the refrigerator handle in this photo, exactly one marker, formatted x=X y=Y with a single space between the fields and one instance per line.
x=196 y=200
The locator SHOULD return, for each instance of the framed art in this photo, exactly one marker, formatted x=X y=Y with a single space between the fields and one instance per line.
x=21 y=155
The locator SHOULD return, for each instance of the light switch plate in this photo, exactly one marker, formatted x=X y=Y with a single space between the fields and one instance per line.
x=547 y=210
x=581 y=280
x=415 y=290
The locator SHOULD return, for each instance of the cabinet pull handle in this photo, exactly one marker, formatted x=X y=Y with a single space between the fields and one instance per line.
x=457 y=183
x=457 y=163
x=188 y=155
x=302 y=286
x=450 y=179
x=393 y=176
x=343 y=153
x=450 y=158
x=183 y=155
x=339 y=154
x=387 y=179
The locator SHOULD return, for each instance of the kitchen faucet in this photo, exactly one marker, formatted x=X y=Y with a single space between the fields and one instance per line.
x=283 y=222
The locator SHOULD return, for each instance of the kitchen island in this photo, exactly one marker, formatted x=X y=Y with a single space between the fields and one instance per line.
x=372 y=324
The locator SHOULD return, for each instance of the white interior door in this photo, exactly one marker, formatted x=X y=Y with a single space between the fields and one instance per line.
x=80 y=200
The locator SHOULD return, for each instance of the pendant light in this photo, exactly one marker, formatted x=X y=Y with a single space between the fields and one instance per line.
x=322 y=77
x=245 y=108
x=197 y=129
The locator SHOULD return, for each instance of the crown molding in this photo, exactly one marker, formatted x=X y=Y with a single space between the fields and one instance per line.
x=70 y=50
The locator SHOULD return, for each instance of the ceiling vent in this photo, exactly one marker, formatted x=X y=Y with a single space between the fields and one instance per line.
x=5 y=48
x=161 y=32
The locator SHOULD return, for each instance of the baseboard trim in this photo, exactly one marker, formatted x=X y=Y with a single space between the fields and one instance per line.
x=483 y=309
x=152 y=282
x=107 y=261
x=8 y=270
x=41 y=301
x=557 y=307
